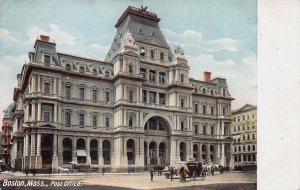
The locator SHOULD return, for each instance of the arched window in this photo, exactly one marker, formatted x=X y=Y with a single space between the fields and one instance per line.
x=130 y=69
x=142 y=51
x=94 y=151
x=182 y=150
x=195 y=151
x=235 y=149
x=161 y=55
x=67 y=150
x=212 y=92
x=68 y=67
x=130 y=151
x=182 y=103
x=106 y=151
x=152 y=54
x=204 y=90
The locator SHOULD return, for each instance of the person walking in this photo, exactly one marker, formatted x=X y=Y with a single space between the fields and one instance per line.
x=151 y=173
x=26 y=171
x=172 y=173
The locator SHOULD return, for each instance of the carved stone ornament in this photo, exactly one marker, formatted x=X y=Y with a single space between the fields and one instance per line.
x=178 y=51
x=128 y=39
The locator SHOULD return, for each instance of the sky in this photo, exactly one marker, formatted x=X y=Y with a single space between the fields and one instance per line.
x=219 y=36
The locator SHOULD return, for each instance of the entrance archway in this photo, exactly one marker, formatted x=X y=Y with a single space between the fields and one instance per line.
x=130 y=152
x=157 y=133
x=47 y=150
x=67 y=150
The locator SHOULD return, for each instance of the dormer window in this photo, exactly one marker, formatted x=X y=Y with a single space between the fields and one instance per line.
x=94 y=72
x=47 y=60
x=142 y=51
x=140 y=31
x=162 y=56
x=81 y=69
x=68 y=67
x=152 y=54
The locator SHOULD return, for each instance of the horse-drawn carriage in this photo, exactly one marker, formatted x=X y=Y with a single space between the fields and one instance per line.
x=75 y=167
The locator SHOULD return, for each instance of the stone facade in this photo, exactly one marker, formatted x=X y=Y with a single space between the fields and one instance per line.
x=137 y=108
x=244 y=131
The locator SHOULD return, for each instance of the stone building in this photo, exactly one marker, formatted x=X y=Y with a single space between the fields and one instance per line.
x=6 y=133
x=136 y=108
x=244 y=131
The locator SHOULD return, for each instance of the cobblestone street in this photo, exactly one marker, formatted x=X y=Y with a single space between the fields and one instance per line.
x=232 y=180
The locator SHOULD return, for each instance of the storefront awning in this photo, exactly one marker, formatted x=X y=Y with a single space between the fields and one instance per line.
x=81 y=153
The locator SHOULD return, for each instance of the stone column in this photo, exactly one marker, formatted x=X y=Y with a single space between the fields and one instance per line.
x=74 y=151
x=148 y=97
x=32 y=162
x=33 y=110
x=208 y=152
x=100 y=154
x=55 y=86
x=55 y=158
x=33 y=84
x=55 y=113
x=141 y=94
x=156 y=98
x=88 y=157
x=176 y=75
x=38 y=152
x=39 y=83
x=27 y=115
x=157 y=154
x=39 y=112
x=222 y=154
x=32 y=148
x=200 y=152
x=147 y=75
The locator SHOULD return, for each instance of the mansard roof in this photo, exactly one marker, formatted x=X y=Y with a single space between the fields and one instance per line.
x=246 y=107
x=143 y=26
x=9 y=112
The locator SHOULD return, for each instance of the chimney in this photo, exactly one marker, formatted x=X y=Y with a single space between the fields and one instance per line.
x=207 y=76
x=44 y=38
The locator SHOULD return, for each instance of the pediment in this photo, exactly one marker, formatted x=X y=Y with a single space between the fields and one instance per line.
x=153 y=41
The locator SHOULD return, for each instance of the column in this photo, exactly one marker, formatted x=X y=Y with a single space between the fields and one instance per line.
x=32 y=148
x=148 y=97
x=38 y=144
x=147 y=75
x=55 y=86
x=88 y=159
x=141 y=94
x=25 y=146
x=74 y=153
x=33 y=84
x=55 y=113
x=39 y=83
x=100 y=153
x=59 y=87
x=121 y=92
x=176 y=75
x=208 y=152
x=200 y=152
x=157 y=98
x=222 y=128
x=33 y=110
x=222 y=154
x=55 y=145
x=27 y=115
x=39 y=111
x=157 y=154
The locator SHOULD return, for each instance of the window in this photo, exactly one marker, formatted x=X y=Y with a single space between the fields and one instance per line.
x=239 y=149
x=152 y=97
x=95 y=95
x=144 y=96
x=94 y=72
x=243 y=117
x=68 y=67
x=239 y=128
x=81 y=94
x=152 y=54
x=249 y=148
x=107 y=122
x=235 y=149
x=224 y=111
x=245 y=158
x=68 y=118
x=224 y=92
x=196 y=108
x=107 y=97
x=94 y=121
x=106 y=74
x=204 y=109
x=212 y=130
x=196 y=129
x=204 y=90
x=162 y=77
x=47 y=88
x=181 y=103
x=130 y=121
x=47 y=60
x=238 y=118
x=244 y=148
x=212 y=110
x=162 y=99
x=182 y=77
x=182 y=125
x=142 y=51
x=152 y=76
x=254 y=157
x=248 y=127
x=161 y=56
x=234 y=119
x=252 y=115
x=68 y=92
x=253 y=147
x=81 y=120
x=130 y=96
x=130 y=69
x=253 y=136
x=46 y=116
x=81 y=69
x=204 y=130
x=212 y=92
x=248 y=117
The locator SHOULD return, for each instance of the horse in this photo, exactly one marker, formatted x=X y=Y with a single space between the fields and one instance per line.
x=159 y=168
x=182 y=171
x=61 y=170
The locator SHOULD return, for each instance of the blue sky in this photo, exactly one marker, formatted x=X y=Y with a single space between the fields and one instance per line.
x=217 y=36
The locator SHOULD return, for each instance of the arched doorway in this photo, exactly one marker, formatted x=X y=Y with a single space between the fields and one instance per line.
x=182 y=151
x=203 y=150
x=94 y=151
x=195 y=152
x=47 y=150
x=81 y=153
x=106 y=151
x=212 y=151
x=67 y=150
x=130 y=152
x=157 y=133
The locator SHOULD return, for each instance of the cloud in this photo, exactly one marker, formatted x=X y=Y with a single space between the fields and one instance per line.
x=56 y=33
x=193 y=40
x=6 y=35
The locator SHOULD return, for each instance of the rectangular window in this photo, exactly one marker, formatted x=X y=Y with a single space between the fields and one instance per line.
x=211 y=110
x=94 y=121
x=68 y=119
x=144 y=96
x=94 y=95
x=238 y=118
x=204 y=130
x=162 y=99
x=204 y=109
x=196 y=108
x=182 y=103
x=46 y=116
x=68 y=92
x=234 y=119
x=47 y=87
x=81 y=94
x=212 y=130
x=196 y=129
x=130 y=121
x=47 y=60
x=81 y=120
x=182 y=126
x=152 y=97
x=107 y=122
x=130 y=96
x=107 y=97
x=182 y=77
x=224 y=111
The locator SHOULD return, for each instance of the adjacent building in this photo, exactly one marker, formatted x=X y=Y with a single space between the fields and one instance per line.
x=244 y=131
x=7 y=123
x=137 y=108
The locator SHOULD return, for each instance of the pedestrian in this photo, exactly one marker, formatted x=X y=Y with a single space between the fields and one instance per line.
x=26 y=171
x=151 y=173
x=172 y=173
x=213 y=169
